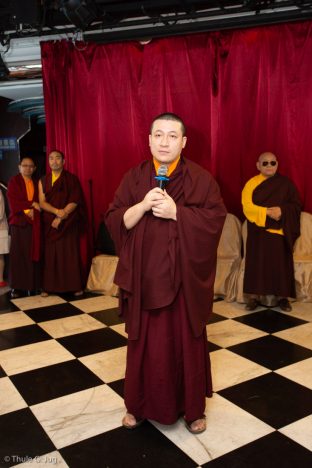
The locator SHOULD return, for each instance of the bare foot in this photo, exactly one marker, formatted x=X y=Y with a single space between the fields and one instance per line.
x=130 y=422
x=197 y=426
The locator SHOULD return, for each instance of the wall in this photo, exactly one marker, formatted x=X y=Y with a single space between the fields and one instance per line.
x=11 y=125
x=31 y=141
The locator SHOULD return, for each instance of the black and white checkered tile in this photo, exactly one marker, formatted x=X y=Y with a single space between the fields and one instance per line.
x=62 y=365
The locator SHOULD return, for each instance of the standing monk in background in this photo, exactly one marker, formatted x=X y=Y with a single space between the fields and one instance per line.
x=24 y=221
x=167 y=245
x=62 y=202
x=272 y=207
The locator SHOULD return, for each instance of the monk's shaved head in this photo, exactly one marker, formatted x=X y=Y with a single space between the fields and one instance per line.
x=267 y=155
x=267 y=164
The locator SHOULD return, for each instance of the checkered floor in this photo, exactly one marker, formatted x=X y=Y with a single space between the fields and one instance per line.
x=62 y=364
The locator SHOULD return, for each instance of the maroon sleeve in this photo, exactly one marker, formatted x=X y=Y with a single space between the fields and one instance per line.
x=18 y=202
x=128 y=272
x=75 y=195
x=17 y=196
x=67 y=189
x=123 y=200
x=200 y=224
x=290 y=220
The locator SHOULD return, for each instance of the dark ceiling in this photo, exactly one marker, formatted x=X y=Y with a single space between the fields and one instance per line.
x=111 y=20
x=118 y=20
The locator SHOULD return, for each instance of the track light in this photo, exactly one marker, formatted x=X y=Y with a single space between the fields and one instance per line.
x=79 y=12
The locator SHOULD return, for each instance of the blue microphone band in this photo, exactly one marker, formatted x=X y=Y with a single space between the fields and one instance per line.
x=162 y=181
x=166 y=179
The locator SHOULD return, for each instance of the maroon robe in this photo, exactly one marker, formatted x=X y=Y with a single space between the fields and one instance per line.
x=24 y=271
x=62 y=269
x=269 y=266
x=166 y=273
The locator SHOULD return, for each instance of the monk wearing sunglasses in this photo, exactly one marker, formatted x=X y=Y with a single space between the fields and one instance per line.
x=272 y=207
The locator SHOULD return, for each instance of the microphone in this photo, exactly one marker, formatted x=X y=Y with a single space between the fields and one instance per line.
x=161 y=178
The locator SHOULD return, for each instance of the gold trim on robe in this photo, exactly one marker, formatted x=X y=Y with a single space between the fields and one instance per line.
x=255 y=213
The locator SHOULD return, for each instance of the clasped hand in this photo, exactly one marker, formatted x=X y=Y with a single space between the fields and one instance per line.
x=56 y=222
x=36 y=206
x=161 y=204
x=31 y=212
x=61 y=213
x=274 y=212
x=60 y=216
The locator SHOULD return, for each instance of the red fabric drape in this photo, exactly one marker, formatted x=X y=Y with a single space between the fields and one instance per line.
x=239 y=92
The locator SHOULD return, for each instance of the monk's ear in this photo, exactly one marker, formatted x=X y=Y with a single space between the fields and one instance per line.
x=184 y=140
x=258 y=165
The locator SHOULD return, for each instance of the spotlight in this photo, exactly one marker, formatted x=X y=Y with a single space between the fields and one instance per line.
x=79 y=12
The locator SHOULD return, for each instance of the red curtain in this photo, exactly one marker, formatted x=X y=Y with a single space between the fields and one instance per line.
x=239 y=92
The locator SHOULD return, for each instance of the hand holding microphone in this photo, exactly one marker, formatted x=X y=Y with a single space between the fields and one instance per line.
x=156 y=200
x=156 y=195
x=165 y=207
x=152 y=197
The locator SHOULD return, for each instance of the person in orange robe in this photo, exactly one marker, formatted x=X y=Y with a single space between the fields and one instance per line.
x=166 y=240
x=24 y=221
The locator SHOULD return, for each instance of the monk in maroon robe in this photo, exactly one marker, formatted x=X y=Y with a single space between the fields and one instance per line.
x=272 y=207
x=167 y=245
x=62 y=202
x=24 y=221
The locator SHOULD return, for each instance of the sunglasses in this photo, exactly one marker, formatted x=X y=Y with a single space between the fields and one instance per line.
x=267 y=163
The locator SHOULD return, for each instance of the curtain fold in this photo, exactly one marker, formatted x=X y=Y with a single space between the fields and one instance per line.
x=240 y=93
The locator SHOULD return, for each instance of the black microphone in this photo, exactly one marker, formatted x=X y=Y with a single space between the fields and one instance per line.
x=161 y=178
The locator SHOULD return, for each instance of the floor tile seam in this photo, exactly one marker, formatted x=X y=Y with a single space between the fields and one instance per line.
x=270 y=371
